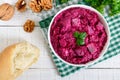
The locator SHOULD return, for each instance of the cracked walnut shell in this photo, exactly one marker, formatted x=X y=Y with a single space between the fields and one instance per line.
x=6 y=12
x=21 y=5
x=29 y=26
x=35 y=6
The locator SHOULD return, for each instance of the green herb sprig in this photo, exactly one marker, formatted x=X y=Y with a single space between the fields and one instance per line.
x=58 y=2
x=64 y=1
x=101 y=4
x=80 y=37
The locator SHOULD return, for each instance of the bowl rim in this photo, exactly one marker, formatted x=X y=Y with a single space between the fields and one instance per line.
x=105 y=26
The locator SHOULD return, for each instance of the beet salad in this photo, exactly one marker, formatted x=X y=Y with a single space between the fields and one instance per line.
x=77 y=35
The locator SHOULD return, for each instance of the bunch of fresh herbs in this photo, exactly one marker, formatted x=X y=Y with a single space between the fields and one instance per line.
x=114 y=5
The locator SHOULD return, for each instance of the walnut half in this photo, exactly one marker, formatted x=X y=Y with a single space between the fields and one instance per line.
x=35 y=6
x=6 y=11
x=21 y=5
x=29 y=25
x=38 y=5
x=46 y=4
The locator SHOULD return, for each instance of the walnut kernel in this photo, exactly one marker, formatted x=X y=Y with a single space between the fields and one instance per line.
x=35 y=6
x=21 y=5
x=29 y=26
x=6 y=12
x=47 y=4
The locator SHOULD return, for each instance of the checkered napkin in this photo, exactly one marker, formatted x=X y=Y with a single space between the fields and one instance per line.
x=114 y=47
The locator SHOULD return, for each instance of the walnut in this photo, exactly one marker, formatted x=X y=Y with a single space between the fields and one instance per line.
x=38 y=5
x=47 y=4
x=35 y=6
x=6 y=12
x=29 y=26
x=21 y=5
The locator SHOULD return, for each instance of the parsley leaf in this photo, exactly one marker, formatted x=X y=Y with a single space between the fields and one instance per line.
x=115 y=7
x=101 y=4
x=80 y=42
x=64 y=1
x=80 y=37
x=76 y=34
x=59 y=2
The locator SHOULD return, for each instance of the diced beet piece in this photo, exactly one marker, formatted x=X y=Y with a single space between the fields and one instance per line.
x=62 y=42
x=95 y=55
x=79 y=52
x=64 y=52
x=94 y=38
x=56 y=31
x=71 y=42
x=92 y=48
x=90 y=30
x=67 y=14
x=86 y=40
x=93 y=21
x=100 y=26
x=71 y=53
x=66 y=24
x=76 y=22
x=83 y=21
x=87 y=57
x=74 y=13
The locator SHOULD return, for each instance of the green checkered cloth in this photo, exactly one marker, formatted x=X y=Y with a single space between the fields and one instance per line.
x=114 y=47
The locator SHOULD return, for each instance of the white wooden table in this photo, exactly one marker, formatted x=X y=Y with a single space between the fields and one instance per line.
x=12 y=32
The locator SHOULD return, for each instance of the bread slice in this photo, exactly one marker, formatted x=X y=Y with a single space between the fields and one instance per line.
x=17 y=58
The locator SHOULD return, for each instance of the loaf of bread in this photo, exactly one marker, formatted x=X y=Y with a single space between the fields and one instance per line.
x=17 y=58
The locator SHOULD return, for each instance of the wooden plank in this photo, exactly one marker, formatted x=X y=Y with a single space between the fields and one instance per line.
x=91 y=74
x=87 y=74
x=106 y=74
x=8 y=1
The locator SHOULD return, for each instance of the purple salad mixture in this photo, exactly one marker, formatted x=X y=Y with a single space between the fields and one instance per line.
x=67 y=45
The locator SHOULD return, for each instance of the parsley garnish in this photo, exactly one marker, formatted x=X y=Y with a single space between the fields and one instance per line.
x=80 y=37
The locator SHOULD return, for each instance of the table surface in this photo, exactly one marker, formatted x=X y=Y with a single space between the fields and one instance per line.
x=12 y=31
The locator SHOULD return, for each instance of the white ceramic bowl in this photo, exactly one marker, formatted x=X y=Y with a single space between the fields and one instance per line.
x=102 y=19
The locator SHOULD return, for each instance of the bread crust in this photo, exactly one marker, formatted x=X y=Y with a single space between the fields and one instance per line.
x=7 y=63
